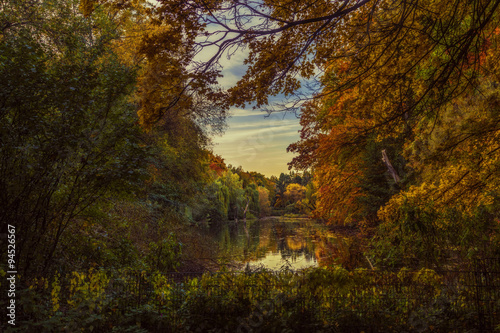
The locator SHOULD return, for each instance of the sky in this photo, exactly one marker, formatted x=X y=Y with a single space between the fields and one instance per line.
x=255 y=140
x=258 y=143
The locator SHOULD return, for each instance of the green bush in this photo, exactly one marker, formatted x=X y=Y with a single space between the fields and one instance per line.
x=316 y=299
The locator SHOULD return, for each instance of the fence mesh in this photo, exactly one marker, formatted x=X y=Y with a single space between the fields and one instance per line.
x=465 y=300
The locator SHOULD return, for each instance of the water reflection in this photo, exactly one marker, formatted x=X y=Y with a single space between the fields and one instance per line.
x=273 y=243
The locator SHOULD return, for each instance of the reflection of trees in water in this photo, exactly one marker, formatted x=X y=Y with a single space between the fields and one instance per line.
x=291 y=240
x=236 y=240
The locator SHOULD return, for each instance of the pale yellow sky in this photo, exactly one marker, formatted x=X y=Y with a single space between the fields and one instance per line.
x=258 y=143
x=255 y=142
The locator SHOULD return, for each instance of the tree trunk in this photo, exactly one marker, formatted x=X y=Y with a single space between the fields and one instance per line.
x=245 y=211
x=391 y=169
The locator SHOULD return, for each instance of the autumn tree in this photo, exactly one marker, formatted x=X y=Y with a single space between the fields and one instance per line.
x=351 y=46
x=294 y=193
x=426 y=123
x=451 y=210
x=264 y=203
x=178 y=121
x=291 y=42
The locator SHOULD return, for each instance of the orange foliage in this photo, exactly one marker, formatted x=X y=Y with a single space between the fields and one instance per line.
x=329 y=143
x=217 y=164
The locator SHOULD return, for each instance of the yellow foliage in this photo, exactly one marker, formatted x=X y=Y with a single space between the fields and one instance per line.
x=86 y=7
x=55 y=294
x=161 y=286
x=88 y=287
x=457 y=157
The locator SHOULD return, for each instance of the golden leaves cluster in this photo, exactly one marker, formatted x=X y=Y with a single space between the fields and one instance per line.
x=421 y=74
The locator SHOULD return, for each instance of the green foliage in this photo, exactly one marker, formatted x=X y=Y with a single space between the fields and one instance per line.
x=294 y=193
x=226 y=197
x=164 y=255
x=318 y=298
x=376 y=183
x=68 y=133
x=173 y=154
x=419 y=235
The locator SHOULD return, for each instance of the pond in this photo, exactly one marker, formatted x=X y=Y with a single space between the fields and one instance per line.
x=275 y=243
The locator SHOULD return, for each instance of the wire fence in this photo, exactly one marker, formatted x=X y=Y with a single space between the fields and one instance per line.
x=465 y=300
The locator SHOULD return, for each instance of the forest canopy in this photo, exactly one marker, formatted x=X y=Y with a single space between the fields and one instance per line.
x=109 y=185
x=105 y=106
x=402 y=131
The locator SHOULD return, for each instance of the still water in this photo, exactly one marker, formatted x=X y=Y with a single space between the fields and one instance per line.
x=275 y=243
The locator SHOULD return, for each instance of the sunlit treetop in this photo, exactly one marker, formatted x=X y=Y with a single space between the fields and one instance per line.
x=439 y=44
